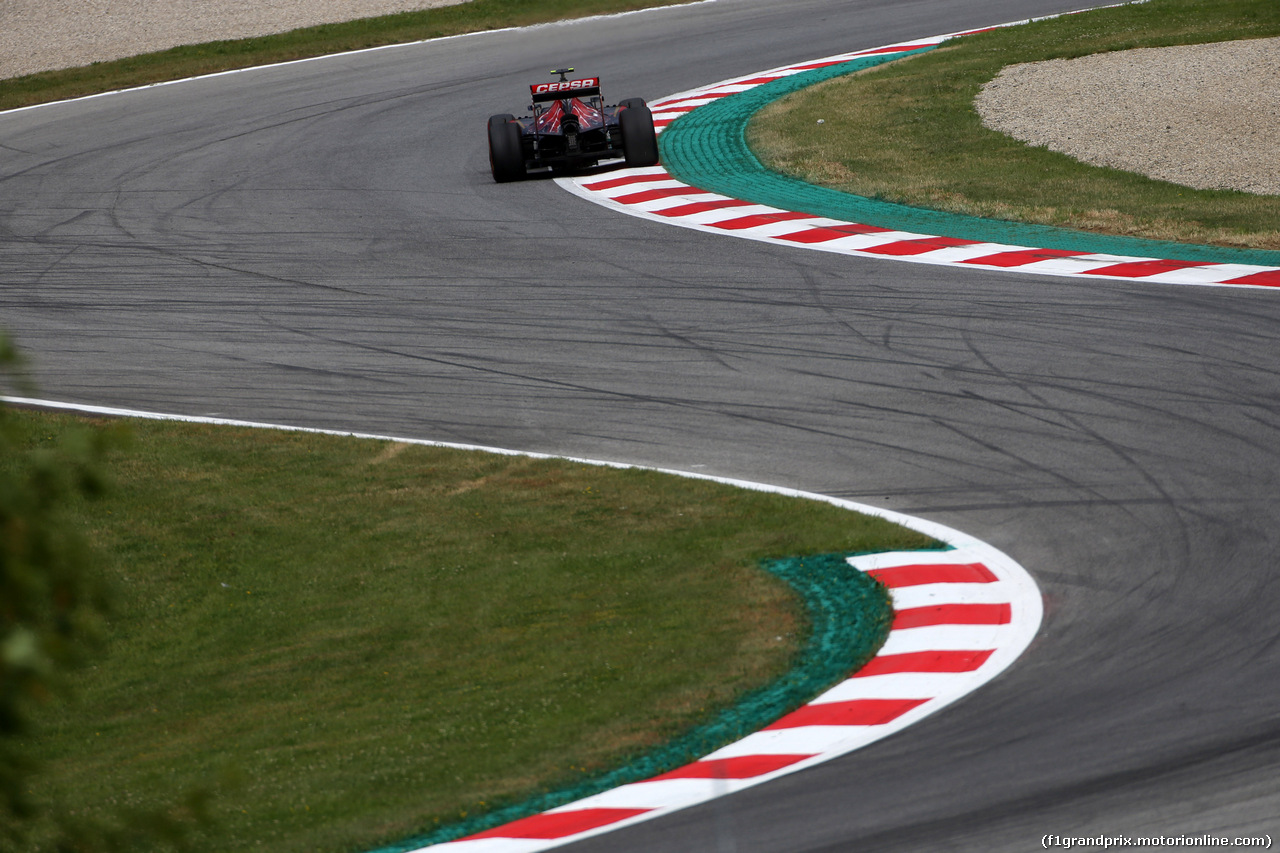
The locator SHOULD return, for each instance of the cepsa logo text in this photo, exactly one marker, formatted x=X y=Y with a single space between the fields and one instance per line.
x=565 y=86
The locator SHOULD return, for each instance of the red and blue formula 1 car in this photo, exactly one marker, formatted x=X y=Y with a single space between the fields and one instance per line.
x=571 y=128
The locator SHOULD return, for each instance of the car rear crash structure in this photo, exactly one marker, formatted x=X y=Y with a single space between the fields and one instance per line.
x=571 y=128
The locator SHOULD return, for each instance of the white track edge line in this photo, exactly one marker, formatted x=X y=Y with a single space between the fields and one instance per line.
x=346 y=53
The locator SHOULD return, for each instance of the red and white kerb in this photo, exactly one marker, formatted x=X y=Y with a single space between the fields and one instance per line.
x=961 y=618
x=653 y=194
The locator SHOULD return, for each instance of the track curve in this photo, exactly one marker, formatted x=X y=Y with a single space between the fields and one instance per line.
x=321 y=244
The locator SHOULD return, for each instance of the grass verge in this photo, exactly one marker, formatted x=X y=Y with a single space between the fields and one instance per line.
x=907 y=132
x=194 y=60
x=380 y=637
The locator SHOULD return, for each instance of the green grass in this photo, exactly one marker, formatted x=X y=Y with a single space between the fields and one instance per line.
x=193 y=60
x=380 y=637
x=907 y=132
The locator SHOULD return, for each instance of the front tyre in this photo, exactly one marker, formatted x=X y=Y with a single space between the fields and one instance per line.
x=506 y=157
x=639 y=140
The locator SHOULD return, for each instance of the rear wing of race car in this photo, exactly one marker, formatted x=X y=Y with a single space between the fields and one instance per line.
x=562 y=89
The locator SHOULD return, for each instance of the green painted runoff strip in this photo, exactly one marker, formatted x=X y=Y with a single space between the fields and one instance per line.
x=707 y=148
x=849 y=618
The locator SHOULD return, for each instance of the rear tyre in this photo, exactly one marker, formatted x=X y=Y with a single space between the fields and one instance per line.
x=506 y=157
x=639 y=141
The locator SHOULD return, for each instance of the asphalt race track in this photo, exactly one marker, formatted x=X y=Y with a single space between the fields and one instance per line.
x=321 y=244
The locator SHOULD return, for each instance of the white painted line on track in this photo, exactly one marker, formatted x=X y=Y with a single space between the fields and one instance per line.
x=565 y=23
x=961 y=618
